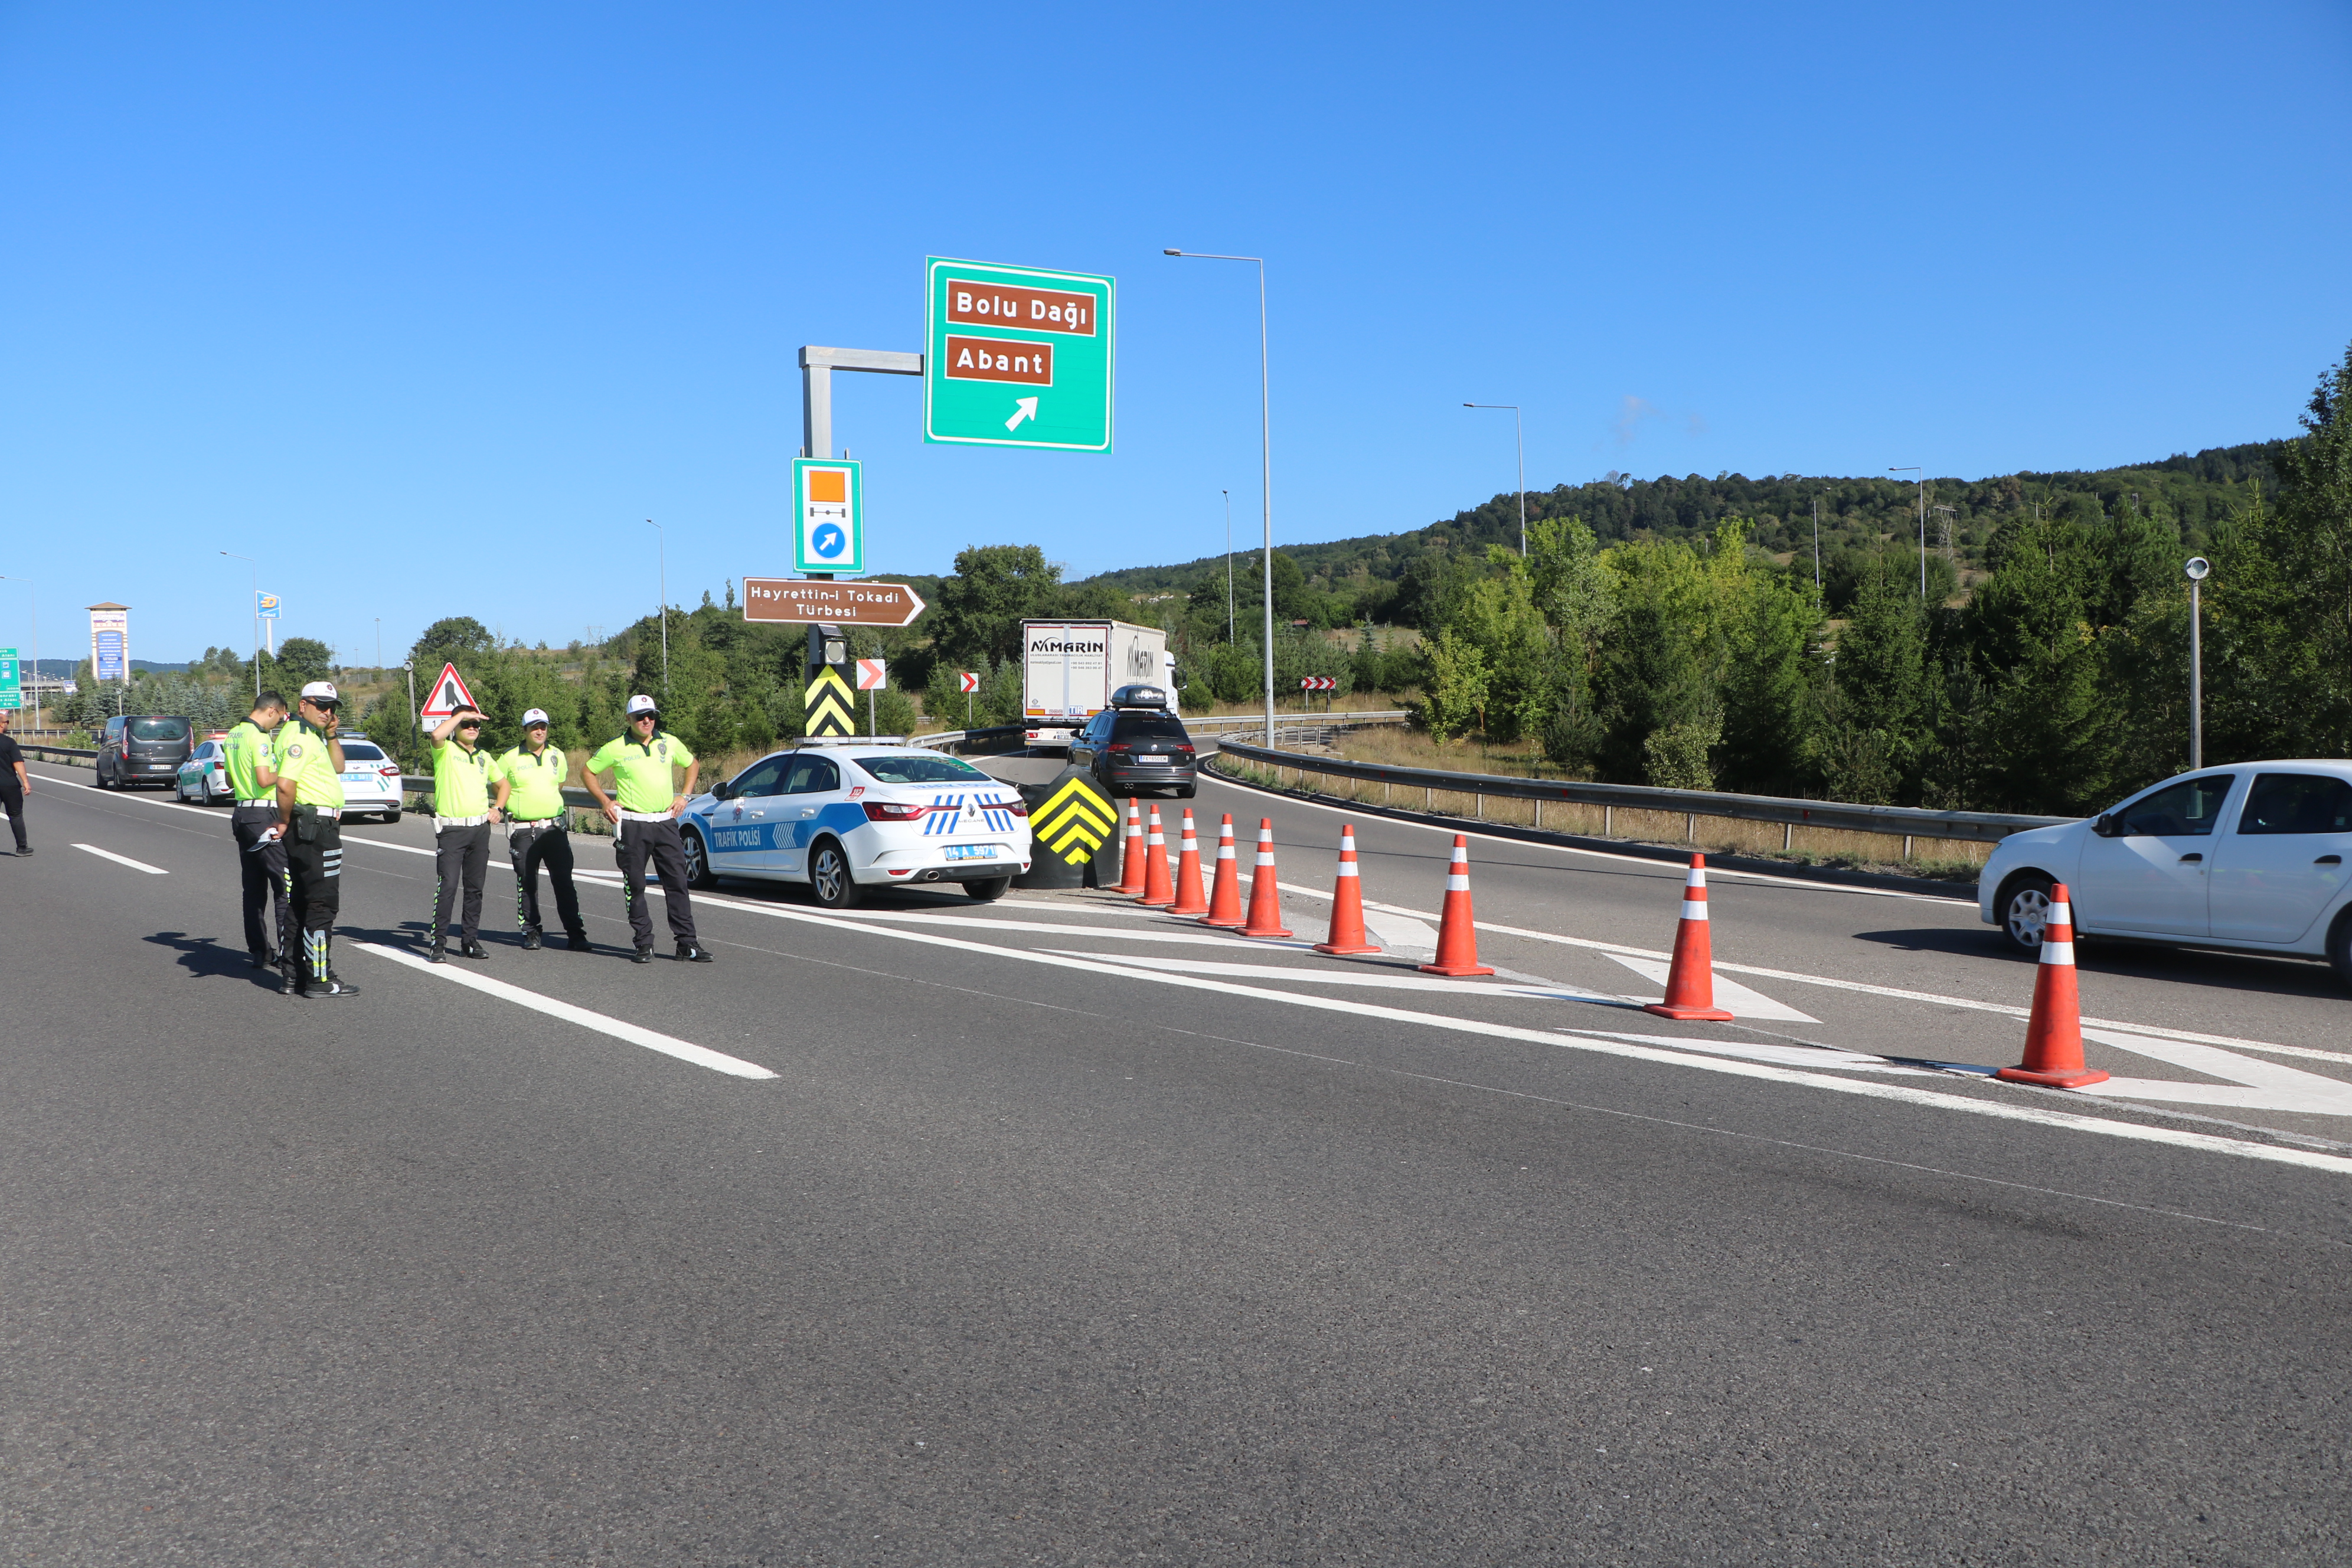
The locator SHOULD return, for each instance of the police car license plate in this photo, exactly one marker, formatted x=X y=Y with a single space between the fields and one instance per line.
x=971 y=851
x=359 y=778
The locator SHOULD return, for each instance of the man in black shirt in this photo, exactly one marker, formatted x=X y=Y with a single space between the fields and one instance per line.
x=13 y=781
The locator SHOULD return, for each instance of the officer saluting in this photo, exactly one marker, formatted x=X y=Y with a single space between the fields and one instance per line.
x=645 y=823
x=531 y=792
x=309 y=764
x=252 y=762
x=462 y=816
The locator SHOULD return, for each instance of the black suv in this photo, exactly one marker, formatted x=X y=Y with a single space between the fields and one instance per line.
x=143 y=750
x=1135 y=744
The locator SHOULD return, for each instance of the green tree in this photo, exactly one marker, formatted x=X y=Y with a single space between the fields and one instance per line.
x=2039 y=728
x=1875 y=747
x=301 y=660
x=1458 y=681
x=994 y=589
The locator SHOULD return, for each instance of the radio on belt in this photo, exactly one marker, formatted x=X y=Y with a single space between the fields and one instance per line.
x=1140 y=696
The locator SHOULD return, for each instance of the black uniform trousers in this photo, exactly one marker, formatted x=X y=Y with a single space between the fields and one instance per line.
x=262 y=870
x=13 y=797
x=529 y=847
x=461 y=858
x=314 y=891
x=634 y=844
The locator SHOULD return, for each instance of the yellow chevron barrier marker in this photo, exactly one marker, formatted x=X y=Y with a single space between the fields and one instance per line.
x=1074 y=822
x=830 y=705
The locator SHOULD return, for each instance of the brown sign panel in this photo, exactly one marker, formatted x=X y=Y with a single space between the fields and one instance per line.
x=1000 y=358
x=836 y=604
x=974 y=304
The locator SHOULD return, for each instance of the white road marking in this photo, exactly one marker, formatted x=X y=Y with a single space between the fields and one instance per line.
x=123 y=860
x=619 y=1029
x=1355 y=975
x=1607 y=1044
x=2253 y=1086
x=1729 y=994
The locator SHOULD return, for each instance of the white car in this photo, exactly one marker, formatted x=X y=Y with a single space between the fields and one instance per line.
x=371 y=779
x=203 y=777
x=2250 y=859
x=843 y=816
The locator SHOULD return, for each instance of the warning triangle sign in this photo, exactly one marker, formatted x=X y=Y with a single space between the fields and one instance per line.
x=448 y=695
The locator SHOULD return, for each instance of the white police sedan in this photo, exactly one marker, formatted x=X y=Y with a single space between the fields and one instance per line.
x=843 y=816
x=2249 y=858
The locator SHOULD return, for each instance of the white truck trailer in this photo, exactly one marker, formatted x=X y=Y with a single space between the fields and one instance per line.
x=1070 y=668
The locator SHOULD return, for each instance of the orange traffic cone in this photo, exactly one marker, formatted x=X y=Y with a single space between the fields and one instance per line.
x=1457 y=936
x=1189 y=899
x=1347 y=903
x=2053 y=1036
x=1130 y=857
x=1225 y=902
x=1265 y=898
x=1156 y=892
x=1690 y=983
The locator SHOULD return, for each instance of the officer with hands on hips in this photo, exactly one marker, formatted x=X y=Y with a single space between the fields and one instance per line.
x=645 y=823
x=309 y=767
x=251 y=760
x=462 y=816
x=530 y=793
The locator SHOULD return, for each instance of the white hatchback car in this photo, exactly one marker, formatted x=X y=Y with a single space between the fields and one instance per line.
x=845 y=816
x=2249 y=858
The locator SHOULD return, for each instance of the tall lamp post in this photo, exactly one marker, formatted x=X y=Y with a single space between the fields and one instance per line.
x=1519 y=434
x=2197 y=568
x=1916 y=469
x=1229 y=565
x=32 y=597
x=1265 y=449
x=661 y=549
x=253 y=573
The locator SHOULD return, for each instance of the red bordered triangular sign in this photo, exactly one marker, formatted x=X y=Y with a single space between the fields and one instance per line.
x=448 y=695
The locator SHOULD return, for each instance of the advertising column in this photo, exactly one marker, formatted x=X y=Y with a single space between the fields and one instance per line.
x=109 y=642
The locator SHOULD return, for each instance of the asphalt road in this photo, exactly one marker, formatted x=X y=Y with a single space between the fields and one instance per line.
x=1053 y=1232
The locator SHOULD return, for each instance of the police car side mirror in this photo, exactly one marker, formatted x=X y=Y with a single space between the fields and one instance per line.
x=2108 y=825
x=722 y=791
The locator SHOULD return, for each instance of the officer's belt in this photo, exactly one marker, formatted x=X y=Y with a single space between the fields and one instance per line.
x=329 y=812
x=534 y=821
x=264 y=800
x=459 y=821
x=644 y=816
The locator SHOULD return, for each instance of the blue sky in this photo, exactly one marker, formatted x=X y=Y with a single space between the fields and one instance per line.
x=431 y=306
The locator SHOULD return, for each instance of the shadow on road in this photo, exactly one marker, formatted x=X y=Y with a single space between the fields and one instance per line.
x=2219 y=970
x=204 y=958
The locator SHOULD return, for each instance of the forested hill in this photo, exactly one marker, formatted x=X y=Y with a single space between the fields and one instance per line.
x=2195 y=491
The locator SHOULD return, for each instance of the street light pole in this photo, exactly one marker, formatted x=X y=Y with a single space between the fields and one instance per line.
x=1265 y=450
x=1229 y=565
x=33 y=598
x=1519 y=434
x=2197 y=568
x=1916 y=469
x=1817 y=544
x=661 y=546
x=253 y=571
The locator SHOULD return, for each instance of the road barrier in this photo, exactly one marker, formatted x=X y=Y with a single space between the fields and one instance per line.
x=1903 y=822
x=1297 y=728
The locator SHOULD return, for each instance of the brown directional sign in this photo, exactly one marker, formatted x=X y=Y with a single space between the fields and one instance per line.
x=836 y=604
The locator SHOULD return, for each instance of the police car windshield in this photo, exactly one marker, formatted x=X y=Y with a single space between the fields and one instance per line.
x=924 y=769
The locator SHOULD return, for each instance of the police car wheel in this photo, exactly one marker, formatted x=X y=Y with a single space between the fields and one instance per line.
x=697 y=861
x=392 y=815
x=988 y=890
x=829 y=877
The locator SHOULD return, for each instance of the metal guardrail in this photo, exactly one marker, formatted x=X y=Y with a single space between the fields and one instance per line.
x=71 y=754
x=1895 y=821
x=1294 y=726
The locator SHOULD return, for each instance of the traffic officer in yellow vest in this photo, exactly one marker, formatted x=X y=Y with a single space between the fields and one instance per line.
x=462 y=814
x=645 y=823
x=309 y=765
x=530 y=793
x=251 y=760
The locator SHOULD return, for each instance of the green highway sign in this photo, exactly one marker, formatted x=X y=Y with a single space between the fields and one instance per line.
x=12 y=695
x=1016 y=356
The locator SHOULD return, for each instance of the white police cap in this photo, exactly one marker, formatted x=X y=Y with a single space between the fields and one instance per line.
x=641 y=703
x=533 y=716
x=321 y=691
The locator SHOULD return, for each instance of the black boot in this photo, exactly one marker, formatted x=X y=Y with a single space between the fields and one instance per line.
x=330 y=986
x=438 y=953
x=642 y=955
x=579 y=943
x=473 y=949
x=265 y=961
x=531 y=941
x=692 y=952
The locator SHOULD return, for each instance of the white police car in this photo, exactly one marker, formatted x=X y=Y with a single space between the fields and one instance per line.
x=844 y=816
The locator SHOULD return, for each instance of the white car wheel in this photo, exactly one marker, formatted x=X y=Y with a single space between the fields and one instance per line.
x=2024 y=909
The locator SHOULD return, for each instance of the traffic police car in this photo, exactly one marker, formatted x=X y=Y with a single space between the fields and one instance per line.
x=843 y=816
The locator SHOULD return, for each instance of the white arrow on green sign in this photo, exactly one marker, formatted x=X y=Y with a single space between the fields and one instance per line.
x=1017 y=356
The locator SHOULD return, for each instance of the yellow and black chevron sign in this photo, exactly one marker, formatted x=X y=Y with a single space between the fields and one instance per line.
x=829 y=704
x=1074 y=822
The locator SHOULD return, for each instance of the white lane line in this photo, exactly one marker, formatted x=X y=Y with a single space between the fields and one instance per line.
x=1605 y=1044
x=1666 y=866
x=619 y=1029
x=123 y=860
x=1729 y=994
x=1374 y=979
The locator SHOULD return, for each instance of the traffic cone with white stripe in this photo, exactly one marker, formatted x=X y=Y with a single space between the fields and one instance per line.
x=1130 y=854
x=1189 y=899
x=1158 y=894
x=2053 y=1036
x=1347 y=903
x=1266 y=898
x=1225 y=900
x=1458 y=932
x=1690 y=983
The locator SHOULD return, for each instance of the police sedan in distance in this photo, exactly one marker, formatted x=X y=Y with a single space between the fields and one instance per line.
x=2247 y=858
x=845 y=816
